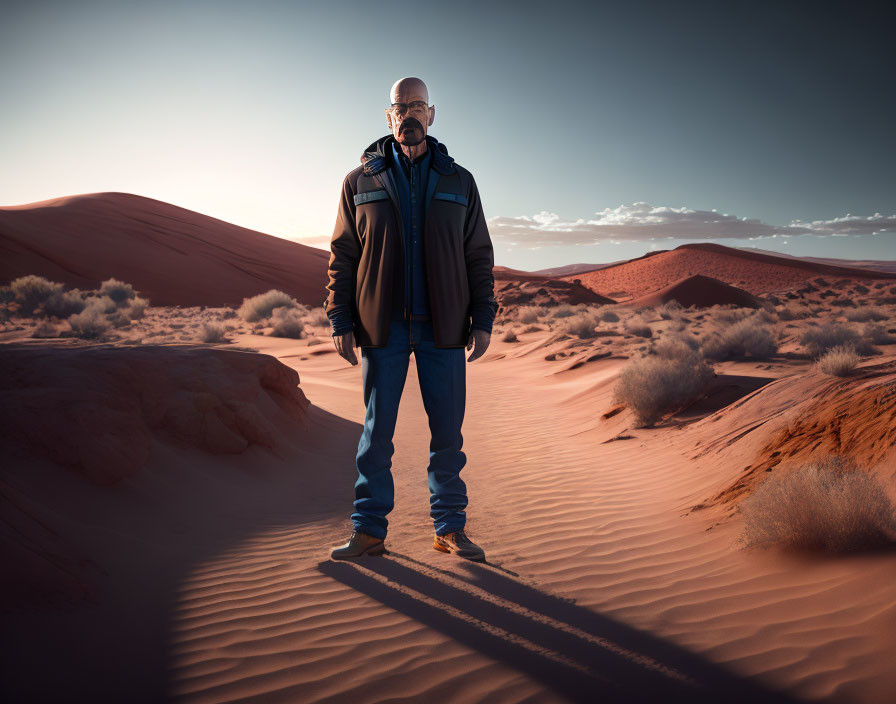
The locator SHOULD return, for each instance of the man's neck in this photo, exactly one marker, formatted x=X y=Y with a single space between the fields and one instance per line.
x=414 y=151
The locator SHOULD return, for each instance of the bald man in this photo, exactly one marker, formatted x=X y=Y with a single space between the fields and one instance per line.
x=411 y=270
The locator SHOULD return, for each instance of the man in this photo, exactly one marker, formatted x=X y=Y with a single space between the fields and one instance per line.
x=411 y=269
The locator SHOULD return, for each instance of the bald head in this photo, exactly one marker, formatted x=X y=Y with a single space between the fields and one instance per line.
x=408 y=89
x=410 y=114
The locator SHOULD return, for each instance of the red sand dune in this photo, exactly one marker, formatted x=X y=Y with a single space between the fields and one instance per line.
x=546 y=292
x=700 y=291
x=99 y=411
x=753 y=272
x=855 y=416
x=171 y=255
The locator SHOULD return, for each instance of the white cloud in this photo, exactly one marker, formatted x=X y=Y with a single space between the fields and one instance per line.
x=642 y=221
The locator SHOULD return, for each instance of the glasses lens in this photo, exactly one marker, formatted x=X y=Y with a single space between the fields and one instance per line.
x=402 y=108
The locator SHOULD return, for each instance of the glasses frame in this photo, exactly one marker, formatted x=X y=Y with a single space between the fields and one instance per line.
x=405 y=108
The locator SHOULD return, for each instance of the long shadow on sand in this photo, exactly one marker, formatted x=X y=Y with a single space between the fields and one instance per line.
x=573 y=651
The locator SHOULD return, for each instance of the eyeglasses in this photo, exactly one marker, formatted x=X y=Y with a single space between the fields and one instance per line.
x=400 y=109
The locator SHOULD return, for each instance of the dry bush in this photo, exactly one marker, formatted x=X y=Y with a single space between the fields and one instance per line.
x=746 y=338
x=137 y=308
x=529 y=314
x=261 y=306
x=102 y=303
x=669 y=310
x=45 y=329
x=91 y=323
x=532 y=328
x=510 y=336
x=831 y=505
x=318 y=318
x=118 y=291
x=31 y=291
x=583 y=325
x=791 y=311
x=608 y=316
x=62 y=304
x=652 y=385
x=864 y=314
x=676 y=346
x=839 y=361
x=637 y=326
x=728 y=316
x=287 y=322
x=877 y=334
x=819 y=340
x=564 y=310
x=213 y=331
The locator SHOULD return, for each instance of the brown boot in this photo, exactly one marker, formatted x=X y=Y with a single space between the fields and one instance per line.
x=458 y=543
x=359 y=544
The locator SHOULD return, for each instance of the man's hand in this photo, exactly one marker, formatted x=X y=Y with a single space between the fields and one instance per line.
x=482 y=340
x=345 y=346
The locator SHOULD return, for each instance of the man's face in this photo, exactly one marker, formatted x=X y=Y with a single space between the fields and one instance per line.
x=410 y=117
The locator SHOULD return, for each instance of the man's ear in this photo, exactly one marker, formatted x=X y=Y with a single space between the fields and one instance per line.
x=432 y=114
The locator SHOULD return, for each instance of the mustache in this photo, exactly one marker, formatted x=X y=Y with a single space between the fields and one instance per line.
x=411 y=122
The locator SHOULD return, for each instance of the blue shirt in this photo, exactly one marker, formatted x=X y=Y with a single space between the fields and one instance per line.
x=410 y=182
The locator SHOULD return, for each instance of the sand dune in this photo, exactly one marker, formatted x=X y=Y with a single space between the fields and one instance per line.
x=603 y=582
x=171 y=255
x=754 y=272
x=699 y=291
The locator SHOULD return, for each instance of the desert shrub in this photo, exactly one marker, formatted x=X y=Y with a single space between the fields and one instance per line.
x=118 y=291
x=231 y=313
x=564 y=310
x=819 y=340
x=532 y=328
x=609 y=316
x=102 y=303
x=877 y=334
x=729 y=316
x=318 y=318
x=529 y=314
x=45 y=329
x=669 y=309
x=583 y=325
x=675 y=347
x=31 y=291
x=792 y=312
x=863 y=315
x=831 y=505
x=262 y=305
x=637 y=326
x=839 y=361
x=91 y=323
x=137 y=308
x=287 y=322
x=510 y=336
x=7 y=295
x=746 y=338
x=62 y=304
x=212 y=331
x=652 y=384
x=766 y=315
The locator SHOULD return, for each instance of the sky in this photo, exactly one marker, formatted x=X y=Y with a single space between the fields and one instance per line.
x=595 y=131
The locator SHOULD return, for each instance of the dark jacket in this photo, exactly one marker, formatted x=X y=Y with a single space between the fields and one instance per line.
x=367 y=250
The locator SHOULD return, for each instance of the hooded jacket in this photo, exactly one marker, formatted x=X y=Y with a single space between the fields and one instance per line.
x=368 y=250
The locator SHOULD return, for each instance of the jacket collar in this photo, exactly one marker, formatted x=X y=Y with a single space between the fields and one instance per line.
x=378 y=156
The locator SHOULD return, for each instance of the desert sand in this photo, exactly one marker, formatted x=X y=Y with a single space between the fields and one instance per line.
x=196 y=569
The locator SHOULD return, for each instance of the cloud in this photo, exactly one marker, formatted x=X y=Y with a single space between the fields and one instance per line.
x=642 y=221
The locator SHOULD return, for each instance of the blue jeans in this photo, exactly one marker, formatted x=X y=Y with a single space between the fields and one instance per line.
x=442 y=375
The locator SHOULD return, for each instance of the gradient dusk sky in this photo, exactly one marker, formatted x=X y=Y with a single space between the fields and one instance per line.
x=595 y=131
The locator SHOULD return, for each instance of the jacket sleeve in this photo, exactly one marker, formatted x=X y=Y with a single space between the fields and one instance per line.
x=480 y=259
x=345 y=252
